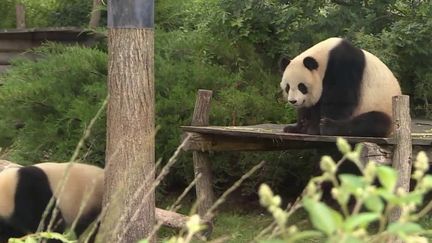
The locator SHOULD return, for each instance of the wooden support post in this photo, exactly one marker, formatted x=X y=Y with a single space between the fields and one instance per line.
x=20 y=15
x=375 y=152
x=403 y=148
x=204 y=185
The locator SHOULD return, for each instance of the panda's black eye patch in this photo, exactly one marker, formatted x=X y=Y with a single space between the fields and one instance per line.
x=287 y=88
x=302 y=87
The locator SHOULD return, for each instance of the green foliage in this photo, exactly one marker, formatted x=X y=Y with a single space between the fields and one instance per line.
x=38 y=237
x=73 y=13
x=170 y=14
x=409 y=40
x=370 y=203
x=7 y=14
x=37 y=11
x=49 y=13
x=55 y=98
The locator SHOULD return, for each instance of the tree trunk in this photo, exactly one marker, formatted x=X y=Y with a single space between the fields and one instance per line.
x=20 y=15
x=95 y=14
x=130 y=150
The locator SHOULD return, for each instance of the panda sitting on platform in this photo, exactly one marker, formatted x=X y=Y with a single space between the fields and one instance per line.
x=26 y=191
x=339 y=89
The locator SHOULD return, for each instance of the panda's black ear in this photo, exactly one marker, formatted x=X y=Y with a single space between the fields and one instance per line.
x=310 y=63
x=283 y=63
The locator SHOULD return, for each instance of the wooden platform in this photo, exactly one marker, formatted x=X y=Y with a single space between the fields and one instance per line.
x=271 y=137
x=397 y=150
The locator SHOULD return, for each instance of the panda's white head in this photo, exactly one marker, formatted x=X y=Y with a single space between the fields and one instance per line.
x=301 y=82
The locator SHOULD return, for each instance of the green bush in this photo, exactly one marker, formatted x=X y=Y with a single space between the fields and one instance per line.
x=7 y=14
x=409 y=40
x=37 y=13
x=73 y=13
x=50 y=13
x=55 y=98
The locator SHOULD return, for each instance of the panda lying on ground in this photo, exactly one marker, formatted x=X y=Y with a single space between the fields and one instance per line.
x=339 y=89
x=26 y=191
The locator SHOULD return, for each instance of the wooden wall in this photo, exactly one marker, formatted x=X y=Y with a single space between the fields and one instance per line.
x=18 y=42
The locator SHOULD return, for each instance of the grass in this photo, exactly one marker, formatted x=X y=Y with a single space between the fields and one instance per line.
x=236 y=227
x=242 y=222
x=239 y=221
x=240 y=227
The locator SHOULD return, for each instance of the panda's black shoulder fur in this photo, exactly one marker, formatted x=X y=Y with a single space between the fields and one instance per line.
x=32 y=195
x=342 y=81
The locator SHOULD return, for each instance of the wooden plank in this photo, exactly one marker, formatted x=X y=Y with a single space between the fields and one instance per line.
x=250 y=131
x=3 y=68
x=44 y=29
x=202 y=166
x=61 y=34
x=272 y=131
x=17 y=45
x=219 y=143
x=6 y=57
x=402 y=150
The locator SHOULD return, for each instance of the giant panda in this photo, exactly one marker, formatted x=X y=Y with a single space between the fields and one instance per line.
x=339 y=89
x=26 y=191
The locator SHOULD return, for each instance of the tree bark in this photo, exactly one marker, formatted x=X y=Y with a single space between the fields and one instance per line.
x=171 y=219
x=95 y=14
x=20 y=15
x=130 y=167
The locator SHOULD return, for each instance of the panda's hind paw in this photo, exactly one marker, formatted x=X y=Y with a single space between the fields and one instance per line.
x=292 y=128
x=328 y=126
x=326 y=122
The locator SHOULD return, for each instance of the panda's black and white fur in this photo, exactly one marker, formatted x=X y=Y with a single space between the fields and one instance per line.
x=339 y=89
x=26 y=191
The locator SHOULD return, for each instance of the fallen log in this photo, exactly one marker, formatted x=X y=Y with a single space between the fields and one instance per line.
x=171 y=219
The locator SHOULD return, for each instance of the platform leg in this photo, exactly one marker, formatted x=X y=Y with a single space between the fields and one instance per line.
x=202 y=165
x=402 y=161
